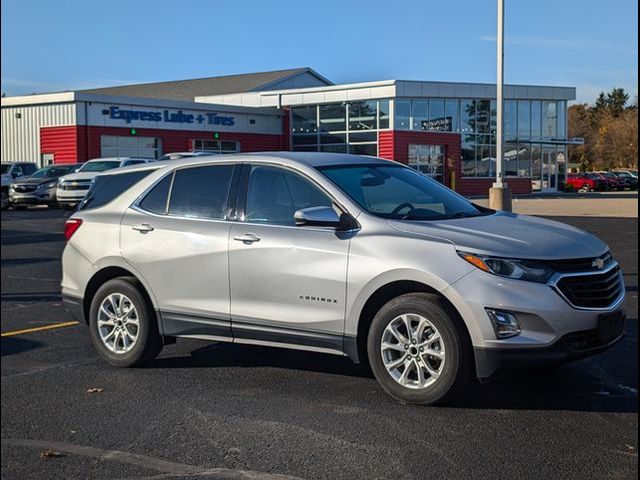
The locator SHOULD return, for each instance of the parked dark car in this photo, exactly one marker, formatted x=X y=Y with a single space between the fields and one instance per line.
x=39 y=188
x=629 y=178
x=615 y=183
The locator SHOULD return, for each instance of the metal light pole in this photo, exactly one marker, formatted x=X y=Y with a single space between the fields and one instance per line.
x=500 y=194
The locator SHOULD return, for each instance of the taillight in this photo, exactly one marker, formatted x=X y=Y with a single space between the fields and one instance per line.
x=71 y=226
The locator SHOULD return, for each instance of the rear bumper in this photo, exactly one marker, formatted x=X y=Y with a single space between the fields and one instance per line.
x=493 y=362
x=74 y=307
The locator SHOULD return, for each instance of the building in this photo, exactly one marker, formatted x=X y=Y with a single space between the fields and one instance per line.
x=445 y=130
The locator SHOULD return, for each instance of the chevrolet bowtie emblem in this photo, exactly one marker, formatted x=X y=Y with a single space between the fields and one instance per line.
x=598 y=263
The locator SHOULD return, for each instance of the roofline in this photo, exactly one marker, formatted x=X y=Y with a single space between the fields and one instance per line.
x=75 y=96
x=293 y=75
x=392 y=82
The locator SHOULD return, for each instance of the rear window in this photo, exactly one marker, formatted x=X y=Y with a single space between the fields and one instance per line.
x=107 y=187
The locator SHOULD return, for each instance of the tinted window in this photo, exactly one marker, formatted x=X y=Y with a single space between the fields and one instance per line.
x=99 y=166
x=29 y=168
x=274 y=195
x=201 y=192
x=132 y=162
x=107 y=187
x=156 y=200
x=399 y=192
x=51 y=172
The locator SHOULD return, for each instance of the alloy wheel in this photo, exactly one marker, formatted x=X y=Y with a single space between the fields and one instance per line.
x=118 y=323
x=412 y=351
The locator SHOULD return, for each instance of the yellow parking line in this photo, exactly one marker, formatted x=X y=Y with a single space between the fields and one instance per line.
x=39 y=329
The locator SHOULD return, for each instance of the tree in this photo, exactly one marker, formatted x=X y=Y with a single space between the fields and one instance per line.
x=609 y=129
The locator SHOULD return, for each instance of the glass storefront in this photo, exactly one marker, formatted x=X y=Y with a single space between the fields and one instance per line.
x=341 y=127
x=531 y=128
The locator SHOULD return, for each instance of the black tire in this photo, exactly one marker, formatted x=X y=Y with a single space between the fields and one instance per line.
x=586 y=188
x=148 y=343
x=458 y=365
x=4 y=204
x=53 y=204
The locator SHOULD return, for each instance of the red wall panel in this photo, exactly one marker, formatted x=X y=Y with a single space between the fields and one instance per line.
x=62 y=142
x=79 y=143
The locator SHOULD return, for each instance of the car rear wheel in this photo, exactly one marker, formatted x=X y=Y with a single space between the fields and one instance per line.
x=418 y=351
x=122 y=326
x=586 y=187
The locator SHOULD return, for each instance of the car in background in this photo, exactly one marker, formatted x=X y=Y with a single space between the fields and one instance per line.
x=585 y=182
x=72 y=188
x=629 y=175
x=614 y=182
x=624 y=181
x=39 y=188
x=11 y=171
x=179 y=155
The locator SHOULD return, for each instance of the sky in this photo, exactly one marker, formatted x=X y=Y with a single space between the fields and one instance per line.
x=74 y=44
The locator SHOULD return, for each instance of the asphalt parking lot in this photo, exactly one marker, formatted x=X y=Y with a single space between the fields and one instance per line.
x=224 y=411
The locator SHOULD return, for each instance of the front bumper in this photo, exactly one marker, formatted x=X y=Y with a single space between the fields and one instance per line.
x=547 y=321
x=38 y=197
x=491 y=363
x=70 y=197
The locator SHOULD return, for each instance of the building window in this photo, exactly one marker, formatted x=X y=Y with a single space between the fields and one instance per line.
x=452 y=114
x=536 y=120
x=215 y=146
x=383 y=114
x=549 y=119
x=131 y=146
x=510 y=120
x=304 y=120
x=428 y=160
x=362 y=115
x=420 y=114
x=402 y=114
x=339 y=127
x=561 y=111
x=524 y=119
x=333 y=118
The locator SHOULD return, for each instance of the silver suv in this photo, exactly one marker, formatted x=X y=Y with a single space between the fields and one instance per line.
x=332 y=253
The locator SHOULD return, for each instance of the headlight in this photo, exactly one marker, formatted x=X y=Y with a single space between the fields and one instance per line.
x=48 y=185
x=527 y=270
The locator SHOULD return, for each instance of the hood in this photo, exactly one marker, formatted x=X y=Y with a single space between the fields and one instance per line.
x=33 y=181
x=79 y=176
x=510 y=236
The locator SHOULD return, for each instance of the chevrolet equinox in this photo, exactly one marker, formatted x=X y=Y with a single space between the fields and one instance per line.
x=334 y=253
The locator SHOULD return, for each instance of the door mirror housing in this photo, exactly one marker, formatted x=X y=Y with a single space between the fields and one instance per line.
x=323 y=217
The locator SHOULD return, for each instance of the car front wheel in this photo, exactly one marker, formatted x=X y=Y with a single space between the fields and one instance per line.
x=122 y=326
x=418 y=351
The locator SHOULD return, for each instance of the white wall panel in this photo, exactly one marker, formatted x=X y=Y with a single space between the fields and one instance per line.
x=20 y=138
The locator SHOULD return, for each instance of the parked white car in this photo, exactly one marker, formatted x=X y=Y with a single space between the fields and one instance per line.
x=73 y=187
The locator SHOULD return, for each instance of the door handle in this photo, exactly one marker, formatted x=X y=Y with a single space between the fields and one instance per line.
x=247 y=238
x=143 y=228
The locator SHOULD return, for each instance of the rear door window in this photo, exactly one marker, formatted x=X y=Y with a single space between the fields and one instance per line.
x=105 y=188
x=201 y=192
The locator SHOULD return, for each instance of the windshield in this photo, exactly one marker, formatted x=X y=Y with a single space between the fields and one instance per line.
x=5 y=168
x=100 y=166
x=50 y=172
x=397 y=192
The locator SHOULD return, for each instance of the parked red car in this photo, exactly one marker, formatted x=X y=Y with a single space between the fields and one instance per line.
x=586 y=182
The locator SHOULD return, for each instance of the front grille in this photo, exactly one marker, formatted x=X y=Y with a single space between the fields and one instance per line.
x=598 y=290
x=580 y=264
x=25 y=188
x=76 y=186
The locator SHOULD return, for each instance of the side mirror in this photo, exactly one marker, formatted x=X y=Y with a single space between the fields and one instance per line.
x=322 y=217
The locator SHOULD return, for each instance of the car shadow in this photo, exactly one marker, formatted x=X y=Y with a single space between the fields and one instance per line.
x=585 y=385
x=31 y=297
x=14 y=345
